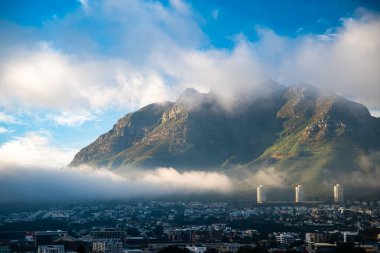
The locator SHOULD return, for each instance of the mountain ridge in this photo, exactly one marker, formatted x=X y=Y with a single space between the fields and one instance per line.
x=300 y=130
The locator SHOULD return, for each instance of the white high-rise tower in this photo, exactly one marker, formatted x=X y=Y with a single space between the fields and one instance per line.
x=338 y=193
x=300 y=195
x=261 y=194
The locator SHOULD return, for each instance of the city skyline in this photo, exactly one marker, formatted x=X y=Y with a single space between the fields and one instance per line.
x=337 y=194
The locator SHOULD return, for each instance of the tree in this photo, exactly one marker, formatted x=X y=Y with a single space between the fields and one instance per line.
x=81 y=249
x=249 y=249
x=349 y=248
x=173 y=249
x=212 y=250
x=159 y=231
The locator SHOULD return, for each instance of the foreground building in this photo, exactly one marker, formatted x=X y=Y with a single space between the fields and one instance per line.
x=48 y=237
x=196 y=249
x=51 y=249
x=107 y=240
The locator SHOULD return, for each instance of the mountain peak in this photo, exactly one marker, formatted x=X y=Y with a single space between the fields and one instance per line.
x=190 y=92
x=191 y=98
x=302 y=130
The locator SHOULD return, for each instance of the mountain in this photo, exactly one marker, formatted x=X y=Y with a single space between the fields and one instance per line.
x=307 y=134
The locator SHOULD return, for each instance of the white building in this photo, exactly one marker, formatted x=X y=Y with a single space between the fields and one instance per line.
x=107 y=240
x=338 y=193
x=261 y=194
x=286 y=238
x=107 y=246
x=196 y=249
x=51 y=249
x=315 y=237
x=300 y=194
x=350 y=236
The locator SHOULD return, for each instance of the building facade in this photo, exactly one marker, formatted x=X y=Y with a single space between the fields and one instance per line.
x=315 y=237
x=261 y=194
x=51 y=249
x=196 y=249
x=338 y=194
x=107 y=240
x=48 y=237
x=300 y=194
x=286 y=238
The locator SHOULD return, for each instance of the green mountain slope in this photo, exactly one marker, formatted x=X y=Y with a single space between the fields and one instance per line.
x=322 y=141
x=310 y=135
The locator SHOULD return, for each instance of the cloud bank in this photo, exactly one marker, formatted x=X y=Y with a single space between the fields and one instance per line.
x=84 y=183
x=268 y=176
x=32 y=169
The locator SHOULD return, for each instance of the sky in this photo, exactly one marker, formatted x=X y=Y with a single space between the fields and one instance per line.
x=70 y=68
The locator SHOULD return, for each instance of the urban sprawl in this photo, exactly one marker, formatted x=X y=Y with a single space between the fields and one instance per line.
x=196 y=226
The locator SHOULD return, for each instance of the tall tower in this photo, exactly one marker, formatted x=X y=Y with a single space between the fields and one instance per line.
x=261 y=194
x=300 y=195
x=338 y=193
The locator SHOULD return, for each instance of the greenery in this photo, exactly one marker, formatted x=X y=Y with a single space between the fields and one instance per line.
x=173 y=249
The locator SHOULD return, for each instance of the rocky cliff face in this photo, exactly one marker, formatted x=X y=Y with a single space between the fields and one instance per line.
x=127 y=132
x=300 y=130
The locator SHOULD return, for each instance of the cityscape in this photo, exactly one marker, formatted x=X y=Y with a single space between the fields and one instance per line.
x=197 y=226
x=189 y=126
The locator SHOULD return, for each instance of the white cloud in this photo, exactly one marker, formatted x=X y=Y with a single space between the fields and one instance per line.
x=267 y=176
x=86 y=183
x=158 y=56
x=5 y=130
x=54 y=74
x=228 y=74
x=375 y=113
x=8 y=119
x=181 y=6
x=188 y=180
x=31 y=167
x=34 y=150
x=73 y=119
x=84 y=3
x=345 y=62
x=47 y=78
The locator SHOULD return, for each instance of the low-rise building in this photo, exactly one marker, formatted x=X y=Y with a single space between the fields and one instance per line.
x=48 y=237
x=315 y=237
x=196 y=249
x=286 y=238
x=51 y=249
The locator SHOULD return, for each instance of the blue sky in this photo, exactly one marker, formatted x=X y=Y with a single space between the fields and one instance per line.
x=69 y=69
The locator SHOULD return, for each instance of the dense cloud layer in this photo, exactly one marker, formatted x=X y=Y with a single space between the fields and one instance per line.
x=84 y=183
x=165 y=51
x=32 y=169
